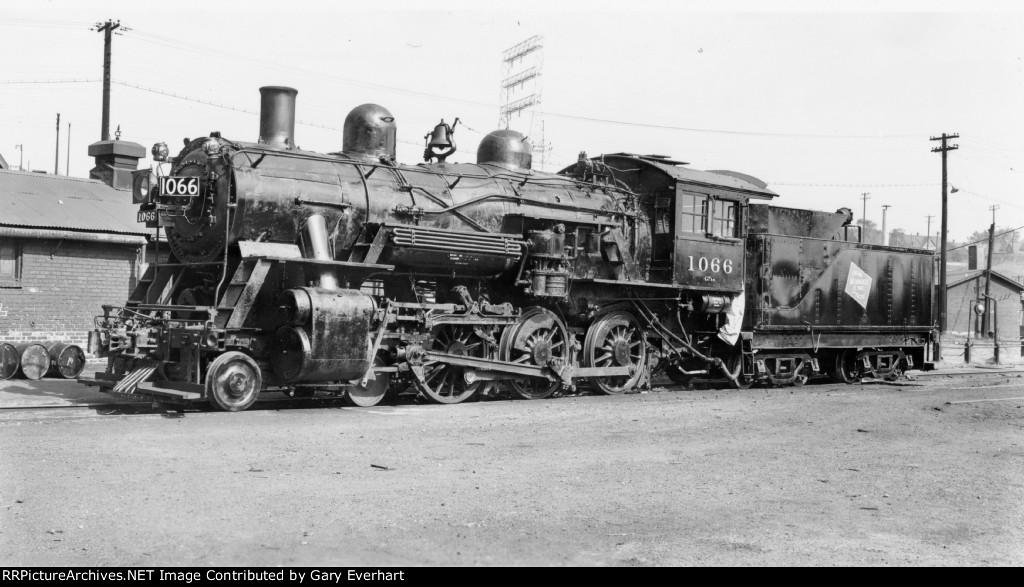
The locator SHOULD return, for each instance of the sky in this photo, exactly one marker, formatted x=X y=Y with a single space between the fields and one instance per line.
x=823 y=101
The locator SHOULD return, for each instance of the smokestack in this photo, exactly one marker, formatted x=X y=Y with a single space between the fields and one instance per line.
x=277 y=116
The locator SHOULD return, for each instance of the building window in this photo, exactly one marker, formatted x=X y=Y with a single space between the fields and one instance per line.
x=723 y=218
x=10 y=261
x=692 y=213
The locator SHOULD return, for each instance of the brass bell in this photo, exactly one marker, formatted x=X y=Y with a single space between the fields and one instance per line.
x=440 y=138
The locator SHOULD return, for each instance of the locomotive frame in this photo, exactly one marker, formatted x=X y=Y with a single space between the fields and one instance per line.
x=350 y=274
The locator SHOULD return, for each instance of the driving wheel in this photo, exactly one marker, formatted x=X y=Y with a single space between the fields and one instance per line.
x=615 y=340
x=446 y=384
x=536 y=339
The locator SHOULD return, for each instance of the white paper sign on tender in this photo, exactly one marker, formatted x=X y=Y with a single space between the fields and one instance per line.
x=858 y=285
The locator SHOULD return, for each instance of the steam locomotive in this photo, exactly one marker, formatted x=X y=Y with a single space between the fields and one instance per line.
x=350 y=274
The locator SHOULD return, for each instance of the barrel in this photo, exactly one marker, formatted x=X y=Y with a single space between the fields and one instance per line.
x=35 y=361
x=10 y=358
x=66 y=360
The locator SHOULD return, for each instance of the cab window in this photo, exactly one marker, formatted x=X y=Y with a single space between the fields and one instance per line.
x=723 y=218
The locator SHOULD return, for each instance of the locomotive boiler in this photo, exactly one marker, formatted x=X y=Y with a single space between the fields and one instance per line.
x=351 y=274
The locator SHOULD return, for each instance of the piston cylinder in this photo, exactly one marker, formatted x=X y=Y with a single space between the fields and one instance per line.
x=326 y=336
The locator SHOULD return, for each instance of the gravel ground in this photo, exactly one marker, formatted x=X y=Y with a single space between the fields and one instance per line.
x=883 y=474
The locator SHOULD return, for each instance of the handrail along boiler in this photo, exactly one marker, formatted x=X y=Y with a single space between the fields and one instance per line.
x=348 y=273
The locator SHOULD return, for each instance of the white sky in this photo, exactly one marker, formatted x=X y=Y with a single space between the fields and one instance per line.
x=840 y=95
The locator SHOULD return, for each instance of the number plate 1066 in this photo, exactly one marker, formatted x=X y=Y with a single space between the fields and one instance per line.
x=179 y=186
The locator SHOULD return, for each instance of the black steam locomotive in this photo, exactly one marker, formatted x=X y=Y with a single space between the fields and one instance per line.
x=350 y=274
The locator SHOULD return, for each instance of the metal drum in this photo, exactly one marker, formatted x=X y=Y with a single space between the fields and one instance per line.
x=66 y=360
x=35 y=360
x=10 y=358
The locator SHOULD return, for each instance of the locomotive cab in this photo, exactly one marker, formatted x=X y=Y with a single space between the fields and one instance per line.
x=697 y=218
x=699 y=234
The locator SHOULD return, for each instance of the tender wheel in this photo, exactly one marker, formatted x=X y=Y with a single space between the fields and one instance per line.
x=845 y=370
x=536 y=339
x=373 y=392
x=615 y=340
x=233 y=381
x=446 y=384
x=801 y=377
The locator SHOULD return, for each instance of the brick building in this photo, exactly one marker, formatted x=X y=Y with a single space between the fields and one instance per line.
x=67 y=246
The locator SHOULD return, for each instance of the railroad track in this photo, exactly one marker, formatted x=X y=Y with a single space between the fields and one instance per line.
x=129 y=407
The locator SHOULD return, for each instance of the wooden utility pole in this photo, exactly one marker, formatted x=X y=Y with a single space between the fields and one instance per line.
x=929 y=239
x=885 y=235
x=864 y=216
x=56 y=149
x=945 y=148
x=986 y=322
x=108 y=29
x=67 y=164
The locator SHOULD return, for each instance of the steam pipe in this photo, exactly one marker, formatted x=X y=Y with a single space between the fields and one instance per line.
x=315 y=245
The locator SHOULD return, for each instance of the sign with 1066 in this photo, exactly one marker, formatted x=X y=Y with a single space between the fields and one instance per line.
x=180 y=187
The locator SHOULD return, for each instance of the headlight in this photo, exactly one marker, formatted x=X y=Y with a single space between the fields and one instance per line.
x=142 y=183
x=211 y=147
x=160 y=152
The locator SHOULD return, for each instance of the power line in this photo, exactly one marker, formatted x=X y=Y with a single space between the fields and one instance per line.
x=228 y=107
x=985 y=239
x=728 y=132
x=990 y=198
x=49 y=24
x=49 y=81
x=205 y=51
x=855 y=185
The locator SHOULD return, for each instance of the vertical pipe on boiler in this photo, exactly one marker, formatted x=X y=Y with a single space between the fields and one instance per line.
x=315 y=245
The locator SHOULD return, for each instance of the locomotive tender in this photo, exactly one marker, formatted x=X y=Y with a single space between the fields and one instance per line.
x=350 y=274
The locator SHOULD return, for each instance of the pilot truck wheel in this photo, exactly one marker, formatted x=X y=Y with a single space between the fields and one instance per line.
x=233 y=382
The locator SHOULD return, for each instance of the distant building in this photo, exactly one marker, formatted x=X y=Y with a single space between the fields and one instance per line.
x=964 y=293
x=67 y=246
x=911 y=241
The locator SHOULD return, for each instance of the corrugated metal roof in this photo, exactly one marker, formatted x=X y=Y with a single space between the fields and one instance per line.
x=71 y=203
x=728 y=180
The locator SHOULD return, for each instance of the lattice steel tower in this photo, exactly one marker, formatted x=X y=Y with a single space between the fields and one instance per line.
x=521 y=68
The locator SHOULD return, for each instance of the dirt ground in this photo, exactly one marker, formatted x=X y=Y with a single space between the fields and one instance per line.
x=820 y=475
